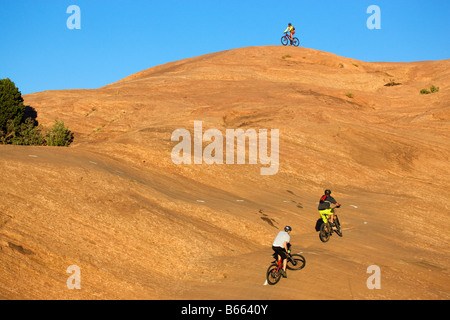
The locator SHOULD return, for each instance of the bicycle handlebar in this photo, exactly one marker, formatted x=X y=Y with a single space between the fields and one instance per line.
x=336 y=207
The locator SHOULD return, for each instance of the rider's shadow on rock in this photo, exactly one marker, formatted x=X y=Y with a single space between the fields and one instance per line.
x=319 y=223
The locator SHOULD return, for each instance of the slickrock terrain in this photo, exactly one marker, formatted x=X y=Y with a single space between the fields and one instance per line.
x=140 y=226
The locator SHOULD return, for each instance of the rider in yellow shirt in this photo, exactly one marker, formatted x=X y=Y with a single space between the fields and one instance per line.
x=325 y=209
x=291 y=29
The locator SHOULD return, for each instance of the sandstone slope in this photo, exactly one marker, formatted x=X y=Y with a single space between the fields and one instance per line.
x=141 y=227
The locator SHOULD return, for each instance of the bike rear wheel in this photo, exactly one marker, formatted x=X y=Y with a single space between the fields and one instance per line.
x=325 y=233
x=296 y=262
x=284 y=40
x=273 y=274
x=296 y=42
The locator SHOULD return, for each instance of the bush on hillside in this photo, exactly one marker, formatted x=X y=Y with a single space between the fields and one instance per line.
x=433 y=89
x=28 y=134
x=349 y=95
x=59 y=135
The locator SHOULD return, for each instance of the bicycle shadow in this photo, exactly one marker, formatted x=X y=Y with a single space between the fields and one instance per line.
x=319 y=223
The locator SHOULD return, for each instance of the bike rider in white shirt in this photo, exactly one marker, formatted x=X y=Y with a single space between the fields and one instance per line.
x=281 y=246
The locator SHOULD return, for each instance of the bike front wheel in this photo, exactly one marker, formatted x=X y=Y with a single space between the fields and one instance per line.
x=284 y=40
x=296 y=262
x=273 y=274
x=338 y=226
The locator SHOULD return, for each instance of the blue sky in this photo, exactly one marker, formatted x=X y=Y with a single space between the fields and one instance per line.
x=121 y=37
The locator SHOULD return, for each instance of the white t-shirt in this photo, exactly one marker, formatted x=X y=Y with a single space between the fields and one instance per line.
x=282 y=236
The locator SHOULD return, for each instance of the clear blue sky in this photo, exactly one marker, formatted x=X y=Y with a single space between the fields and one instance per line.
x=121 y=37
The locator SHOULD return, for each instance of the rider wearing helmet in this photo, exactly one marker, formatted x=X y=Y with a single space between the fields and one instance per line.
x=325 y=209
x=291 y=29
x=281 y=246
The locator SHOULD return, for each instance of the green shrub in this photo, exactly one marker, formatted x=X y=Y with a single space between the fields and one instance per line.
x=59 y=135
x=433 y=89
x=28 y=134
x=349 y=94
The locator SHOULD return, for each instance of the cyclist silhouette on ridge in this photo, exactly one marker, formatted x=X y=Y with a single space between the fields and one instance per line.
x=291 y=30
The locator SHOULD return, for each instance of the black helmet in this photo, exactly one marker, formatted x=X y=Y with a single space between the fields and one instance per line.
x=289 y=24
x=287 y=228
x=328 y=192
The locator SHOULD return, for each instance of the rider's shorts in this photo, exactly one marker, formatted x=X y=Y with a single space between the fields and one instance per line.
x=280 y=251
x=325 y=213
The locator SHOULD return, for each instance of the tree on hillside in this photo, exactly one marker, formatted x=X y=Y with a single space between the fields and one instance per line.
x=12 y=108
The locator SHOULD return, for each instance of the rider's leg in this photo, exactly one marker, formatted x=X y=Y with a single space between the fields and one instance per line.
x=284 y=268
x=324 y=214
x=332 y=222
x=328 y=215
x=279 y=257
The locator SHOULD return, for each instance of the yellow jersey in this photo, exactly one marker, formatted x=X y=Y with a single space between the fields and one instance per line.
x=290 y=29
